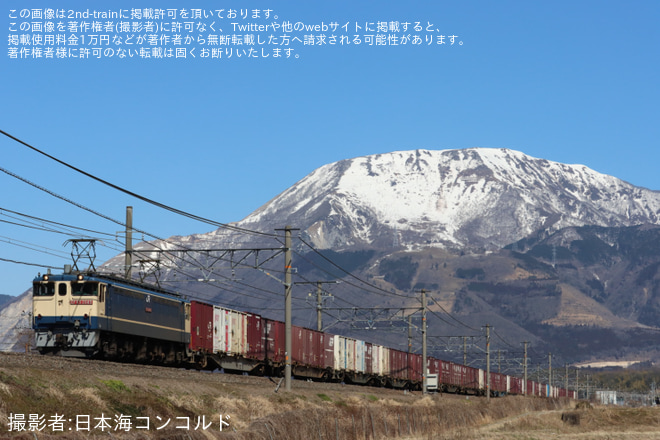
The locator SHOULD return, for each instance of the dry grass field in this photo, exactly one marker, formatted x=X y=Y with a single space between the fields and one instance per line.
x=45 y=397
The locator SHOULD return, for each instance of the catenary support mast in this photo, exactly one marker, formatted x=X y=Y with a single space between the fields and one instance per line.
x=287 y=308
x=128 y=258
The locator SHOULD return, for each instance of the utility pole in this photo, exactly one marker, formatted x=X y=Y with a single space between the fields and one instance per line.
x=128 y=261
x=410 y=333
x=319 y=300
x=287 y=308
x=464 y=350
x=525 y=369
x=424 y=368
x=550 y=371
x=566 y=376
x=577 y=383
x=319 y=304
x=587 y=392
x=488 y=362
x=499 y=361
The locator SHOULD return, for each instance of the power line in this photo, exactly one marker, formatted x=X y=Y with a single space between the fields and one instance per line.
x=33 y=247
x=449 y=314
x=138 y=196
x=379 y=289
x=52 y=193
x=38 y=219
x=28 y=264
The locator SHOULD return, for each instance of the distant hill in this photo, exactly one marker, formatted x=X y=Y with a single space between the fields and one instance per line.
x=15 y=323
x=4 y=299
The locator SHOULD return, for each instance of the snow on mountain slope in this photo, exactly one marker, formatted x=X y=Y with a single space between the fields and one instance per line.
x=15 y=323
x=477 y=197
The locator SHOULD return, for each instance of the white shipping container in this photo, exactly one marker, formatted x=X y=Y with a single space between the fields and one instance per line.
x=350 y=354
x=230 y=331
x=238 y=333
x=340 y=359
x=360 y=361
x=385 y=358
x=221 y=330
x=375 y=359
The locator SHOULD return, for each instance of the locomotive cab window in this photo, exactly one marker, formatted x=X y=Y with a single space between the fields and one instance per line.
x=43 y=289
x=84 y=289
x=61 y=289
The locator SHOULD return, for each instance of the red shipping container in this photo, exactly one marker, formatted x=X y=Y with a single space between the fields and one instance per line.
x=456 y=375
x=516 y=385
x=318 y=349
x=275 y=343
x=448 y=374
x=368 y=357
x=433 y=366
x=201 y=327
x=398 y=364
x=414 y=367
x=465 y=377
x=297 y=345
x=470 y=377
x=308 y=337
x=309 y=342
x=498 y=382
x=326 y=342
x=255 y=337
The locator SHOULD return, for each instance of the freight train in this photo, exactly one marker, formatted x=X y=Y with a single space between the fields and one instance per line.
x=101 y=316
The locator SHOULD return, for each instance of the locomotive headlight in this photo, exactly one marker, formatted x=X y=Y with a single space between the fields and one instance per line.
x=45 y=277
x=80 y=277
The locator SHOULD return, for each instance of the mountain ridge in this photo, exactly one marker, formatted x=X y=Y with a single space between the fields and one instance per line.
x=540 y=249
x=468 y=198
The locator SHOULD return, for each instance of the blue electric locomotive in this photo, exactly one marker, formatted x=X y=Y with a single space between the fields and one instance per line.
x=93 y=315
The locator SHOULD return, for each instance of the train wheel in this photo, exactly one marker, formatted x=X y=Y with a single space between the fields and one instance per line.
x=201 y=362
x=259 y=370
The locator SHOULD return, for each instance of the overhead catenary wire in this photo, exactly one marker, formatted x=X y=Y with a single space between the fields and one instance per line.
x=78 y=205
x=54 y=194
x=33 y=247
x=28 y=264
x=180 y=212
x=502 y=339
x=138 y=196
x=3 y=211
x=14 y=242
x=378 y=290
x=94 y=211
x=450 y=315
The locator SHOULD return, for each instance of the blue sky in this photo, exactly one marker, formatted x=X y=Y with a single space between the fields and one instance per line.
x=569 y=81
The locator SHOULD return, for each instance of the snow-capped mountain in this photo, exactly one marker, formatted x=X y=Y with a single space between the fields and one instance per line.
x=592 y=266
x=15 y=322
x=472 y=198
